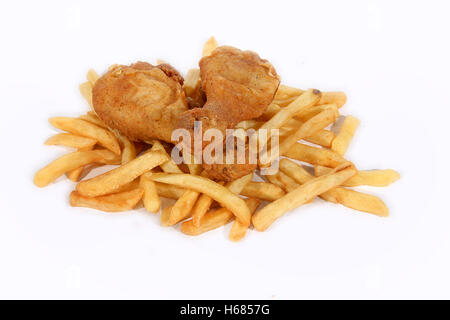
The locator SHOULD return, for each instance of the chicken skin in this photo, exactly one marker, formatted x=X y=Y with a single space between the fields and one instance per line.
x=141 y=101
x=239 y=86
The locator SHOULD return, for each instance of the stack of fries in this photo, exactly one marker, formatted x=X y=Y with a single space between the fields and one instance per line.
x=145 y=171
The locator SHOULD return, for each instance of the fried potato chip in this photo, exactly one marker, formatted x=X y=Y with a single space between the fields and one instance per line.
x=344 y=137
x=238 y=230
x=110 y=181
x=263 y=191
x=70 y=162
x=182 y=209
x=165 y=214
x=71 y=141
x=94 y=119
x=316 y=186
x=315 y=156
x=373 y=178
x=116 y=202
x=192 y=82
x=216 y=191
x=86 y=129
x=169 y=166
x=129 y=151
x=201 y=207
x=151 y=200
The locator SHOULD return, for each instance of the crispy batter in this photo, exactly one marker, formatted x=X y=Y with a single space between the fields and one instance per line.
x=141 y=101
x=239 y=85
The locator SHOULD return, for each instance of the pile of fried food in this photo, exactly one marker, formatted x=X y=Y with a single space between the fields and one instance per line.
x=136 y=108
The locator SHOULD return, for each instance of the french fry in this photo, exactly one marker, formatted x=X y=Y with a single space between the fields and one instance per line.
x=110 y=181
x=238 y=185
x=212 y=220
x=182 y=209
x=169 y=166
x=249 y=124
x=322 y=138
x=357 y=200
x=304 y=101
x=272 y=110
x=129 y=151
x=151 y=200
x=203 y=185
x=315 y=156
x=285 y=92
x=344 y=137
x=169 y=191
x=75 y=174
x=201 y=207
x=71 y=141
x=92 y=77
x=349 y=198
x=336 y=97
x=192 y=82
x=263 y=191
x=288 y=183
x=86 y=92
x=87 y=129
x=310 y=127
x=209 y=46
x=70 y=162
x=373 y=178
x=165 y=214
x=316 y=186
x=94 y=119
x=116 y=202
x=307 y=114
x=238 y=230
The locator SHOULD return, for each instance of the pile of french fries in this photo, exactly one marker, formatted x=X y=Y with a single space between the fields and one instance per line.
x=312 y=165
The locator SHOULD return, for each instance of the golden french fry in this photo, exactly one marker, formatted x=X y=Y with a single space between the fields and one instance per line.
x=87 y=129
x=304 y=101
x=344 y=137
x=92 y=77
x=169 y=191
x=272 y=110
x=349 y=198
x=182 y=209
x=288 y=183
x=75 y=174
x=338 y=98
x=263 y=191
x=110 y=181
x=70 y=162
x=374 y=178
x=310 y=127
x=209 y=46
x=169 y=166
x=316 y=186
x=71 y=141
x=216 y=191
x=315 y=156
x=357 y=200
x=212 y=220
x=129 y=151
x=165 y=214
x=201 y=207
x=249 y=124
x=116 y=202
x=238 y=185
x=86 y=91
x=151 y=200
x=94 y=119
x=192 y=82
x=285 y=92
x=322 y=138
x=238 y=230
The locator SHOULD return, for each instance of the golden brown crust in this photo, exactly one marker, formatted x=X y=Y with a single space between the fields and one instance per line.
x=141 y=101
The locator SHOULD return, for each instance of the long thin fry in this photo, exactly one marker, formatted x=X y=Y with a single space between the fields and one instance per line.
x=315 y=156
x=92 y=77
x=344 y=137
x=209 y=46
x=263 y=191
x=71 y=141
x=151 y=200
x=238 y=230
x=70 y=162
x=169 y=166
x=201 y=207
x=266 y=216
x=110 y=181
x=129 y=151
x=87 y=129
x=86 y=92
x=203 y=185
x=169 y=191
x=116 y=202
x=374 y=178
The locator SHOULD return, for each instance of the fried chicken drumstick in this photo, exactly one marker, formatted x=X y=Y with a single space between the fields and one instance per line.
x=141 y=101
x=239 y=86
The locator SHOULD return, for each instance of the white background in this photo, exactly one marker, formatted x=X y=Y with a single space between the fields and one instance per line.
x=390 y=57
